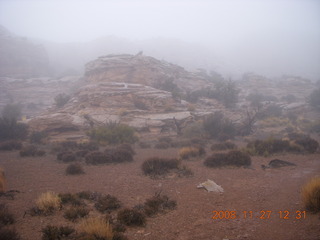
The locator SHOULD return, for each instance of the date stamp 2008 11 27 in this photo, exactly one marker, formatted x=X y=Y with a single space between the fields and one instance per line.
x=263 y=214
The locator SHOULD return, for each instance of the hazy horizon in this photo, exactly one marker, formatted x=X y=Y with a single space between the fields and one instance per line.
x=267 y=37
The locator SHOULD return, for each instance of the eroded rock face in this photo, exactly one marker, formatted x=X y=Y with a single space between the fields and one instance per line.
x=143 y=70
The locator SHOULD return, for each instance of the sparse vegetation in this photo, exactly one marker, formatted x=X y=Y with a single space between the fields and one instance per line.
x=97 y=228
x=2 y=181
x=311 y=195
x=226 y=92
x=6 y=218
x=219 y=127
x=131 y=217
x=113 y=134
x=107 y=204
x=10 y=145
x=66 y=157
x=191 y=152
x=11 y=129
x=9 y=234
x=158 y=203
x=56 y=233
x=119 y=155
x=95 y=158
x=223 y=146
x=75 y=213
x=232 y=158
x=31 y=151
x=74 y=169
x=68 y=198
x=37 y=137
x=48 y=202
x=159 y=166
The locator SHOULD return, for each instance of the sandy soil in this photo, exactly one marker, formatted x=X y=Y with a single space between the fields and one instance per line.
x=245 y=190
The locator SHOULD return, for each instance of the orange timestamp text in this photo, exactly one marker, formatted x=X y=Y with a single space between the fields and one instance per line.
x=263 y=214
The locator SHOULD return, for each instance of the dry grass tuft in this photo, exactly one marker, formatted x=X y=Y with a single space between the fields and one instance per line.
x=48 y=202
x=97 y=227
x=311 y=195
x=189 y=152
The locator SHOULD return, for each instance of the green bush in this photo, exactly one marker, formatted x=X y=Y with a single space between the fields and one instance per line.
x=232 y=158
x=268 y=146
x=219 y=127
x=119 y=133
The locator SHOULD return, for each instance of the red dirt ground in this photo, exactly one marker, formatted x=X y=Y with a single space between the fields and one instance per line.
x=245 y=190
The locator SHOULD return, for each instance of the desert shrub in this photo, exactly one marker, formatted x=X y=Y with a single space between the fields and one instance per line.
x=139 y=104
x=88 y=146
x=66 y=157
x=131 y=217
x=61 y=99
x=75 y=213
x=10 y=145
x=68 y=198
x=309 y=144
x=85 y=195
x=31 y=151
x=6 y=217
x=314 y=127
x=311 y=195
x=95 y=158
x=162 y=145
x=74 y=169
x=223 y=146
x=225 y=92
x=194 y=130
x=219 y=127
x=120 y=133
x=314 y=99
x=48 y=202
x=271 y=110
x=119 y=236
x=56 y=233
x=268 y=146
x=159 y=166
x=81 y=153
x=189 y=152
x=37 y=136
x=185 y=172
x=232 y=158
x=9 y=234
x=144 y=145
x=11 y=129
x=12 y=111
x=120 y=155
x=127 y=147
x=107 y=203
x=97 y=228
x=158 y=203
x=165 y=139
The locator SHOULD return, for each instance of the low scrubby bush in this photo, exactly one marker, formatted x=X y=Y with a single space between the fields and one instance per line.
x=95 y=158
x=114 y=134
x=9 y=234
x=10 y=129
x=159 y=166
x=66 y=157
x=75 y=213
x=74 y=169
x=232 y=158
x=219 y=127
x=37 y=137
x=162 y=145
x=31 y=151
x=61 y=99
x=309 y=145
x=119 y=155
x=6 y=217
x=311 y=195
x=107 y=203
x=56 y=233
x=158 y=203
x=131 y=217
x=268 y=146
x=223 y=146
x=10 y=145
x=191 y=152
x=69 y=198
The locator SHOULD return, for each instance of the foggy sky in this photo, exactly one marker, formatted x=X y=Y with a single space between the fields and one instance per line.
x=266 y=36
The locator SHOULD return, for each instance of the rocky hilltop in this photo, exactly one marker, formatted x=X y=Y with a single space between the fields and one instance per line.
x=132 y=89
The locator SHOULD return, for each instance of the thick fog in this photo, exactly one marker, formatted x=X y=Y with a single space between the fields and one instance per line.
x=233 y=36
